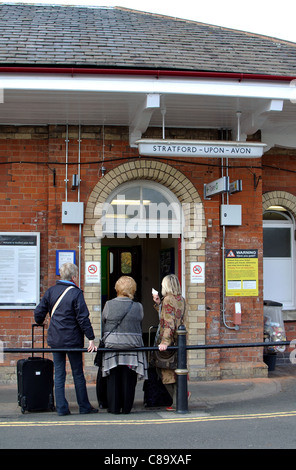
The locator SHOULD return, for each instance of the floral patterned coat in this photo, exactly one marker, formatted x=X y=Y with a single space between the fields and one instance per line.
x=171 y=316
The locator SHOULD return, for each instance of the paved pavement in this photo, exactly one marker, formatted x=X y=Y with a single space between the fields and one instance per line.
x=203 y=394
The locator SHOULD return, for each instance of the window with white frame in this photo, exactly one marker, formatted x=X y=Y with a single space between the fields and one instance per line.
x=279 y=256
x=141 y=207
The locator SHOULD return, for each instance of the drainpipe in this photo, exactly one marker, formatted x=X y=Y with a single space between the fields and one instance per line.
x=236 y=327
x=223 y=260
x=66 y=176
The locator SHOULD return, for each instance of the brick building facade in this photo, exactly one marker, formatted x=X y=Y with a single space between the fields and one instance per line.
x=38 y=159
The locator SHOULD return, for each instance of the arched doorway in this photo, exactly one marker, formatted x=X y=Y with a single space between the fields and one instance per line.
x=141 y=226
x=172 y=184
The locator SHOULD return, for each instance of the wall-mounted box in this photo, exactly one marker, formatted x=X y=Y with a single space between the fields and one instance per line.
x=72 y=212
x=230 y=214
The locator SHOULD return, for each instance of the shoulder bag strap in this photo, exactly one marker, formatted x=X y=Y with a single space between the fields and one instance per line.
x=118 y=323
x=60 y=298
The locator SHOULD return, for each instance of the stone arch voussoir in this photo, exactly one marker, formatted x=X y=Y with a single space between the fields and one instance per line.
x=279 y=198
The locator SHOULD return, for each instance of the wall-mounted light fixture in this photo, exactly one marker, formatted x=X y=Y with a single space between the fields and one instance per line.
x=102 y=170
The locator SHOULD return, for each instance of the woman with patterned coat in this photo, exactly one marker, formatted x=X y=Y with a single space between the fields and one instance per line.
x=171 y=316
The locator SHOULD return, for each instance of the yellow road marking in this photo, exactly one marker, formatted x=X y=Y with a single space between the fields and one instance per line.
x=139 y=422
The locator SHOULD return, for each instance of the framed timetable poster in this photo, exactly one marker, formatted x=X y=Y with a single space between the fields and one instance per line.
x=19 y=270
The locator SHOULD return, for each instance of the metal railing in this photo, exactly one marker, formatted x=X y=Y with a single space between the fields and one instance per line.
x=182 y=347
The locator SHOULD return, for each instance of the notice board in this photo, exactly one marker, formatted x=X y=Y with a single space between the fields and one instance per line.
x=241 y=273
x=19 y=270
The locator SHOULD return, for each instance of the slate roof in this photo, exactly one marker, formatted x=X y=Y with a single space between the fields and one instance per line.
x=115 y=37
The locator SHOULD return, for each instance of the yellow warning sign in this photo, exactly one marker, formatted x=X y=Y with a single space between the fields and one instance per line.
x=241 y=273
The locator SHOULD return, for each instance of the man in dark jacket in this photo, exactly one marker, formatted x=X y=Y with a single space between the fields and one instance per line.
x=68 y=325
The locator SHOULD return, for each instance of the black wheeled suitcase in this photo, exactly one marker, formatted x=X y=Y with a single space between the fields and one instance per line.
x=35 y=381
x=155 y=393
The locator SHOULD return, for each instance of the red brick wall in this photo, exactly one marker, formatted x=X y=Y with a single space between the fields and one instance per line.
x=279 y=174
x=31 y=202
x=23 y=196
x=247 y=236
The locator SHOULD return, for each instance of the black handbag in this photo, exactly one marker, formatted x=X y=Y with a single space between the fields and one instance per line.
x=98 y=360
x=99 y=356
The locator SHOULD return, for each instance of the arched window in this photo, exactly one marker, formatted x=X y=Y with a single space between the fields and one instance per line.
x=279 y=256
x=139 y=208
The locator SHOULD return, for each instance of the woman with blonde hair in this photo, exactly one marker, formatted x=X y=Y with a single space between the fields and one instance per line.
x=172 y=314
x=122 y=329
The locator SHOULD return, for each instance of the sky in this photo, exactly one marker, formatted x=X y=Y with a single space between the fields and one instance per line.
x=270 y=18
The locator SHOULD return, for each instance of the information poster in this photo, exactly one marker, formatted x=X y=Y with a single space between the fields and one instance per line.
x=19 y=270
x=64 y=256
x=241 y=273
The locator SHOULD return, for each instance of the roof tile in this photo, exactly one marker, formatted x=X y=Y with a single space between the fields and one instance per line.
x=118 y=37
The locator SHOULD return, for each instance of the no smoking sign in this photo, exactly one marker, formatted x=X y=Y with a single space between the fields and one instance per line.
x=92 y=269
x=197 y=272
x=92 y=272
x=197 y=269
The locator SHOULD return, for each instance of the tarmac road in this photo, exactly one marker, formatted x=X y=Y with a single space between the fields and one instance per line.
x=234 y=414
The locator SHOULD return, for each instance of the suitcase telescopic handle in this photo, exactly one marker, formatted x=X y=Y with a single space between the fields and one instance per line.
x=149 y=339
x=35 y=325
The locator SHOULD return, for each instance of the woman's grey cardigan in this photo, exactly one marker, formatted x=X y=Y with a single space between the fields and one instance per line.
x=127 y=335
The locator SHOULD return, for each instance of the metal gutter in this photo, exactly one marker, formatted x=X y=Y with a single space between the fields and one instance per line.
x=158 y=73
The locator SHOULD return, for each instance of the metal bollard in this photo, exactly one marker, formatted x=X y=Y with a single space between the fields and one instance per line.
x=182 y=372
